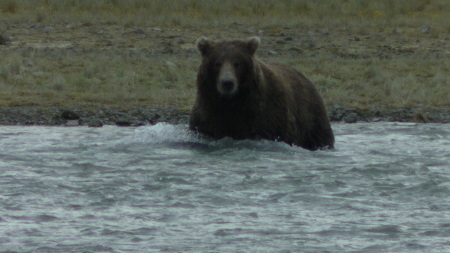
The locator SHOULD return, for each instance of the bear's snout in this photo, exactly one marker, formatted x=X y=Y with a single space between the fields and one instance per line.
x=227 y=83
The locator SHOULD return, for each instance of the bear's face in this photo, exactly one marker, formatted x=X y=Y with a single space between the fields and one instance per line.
x=227 y=66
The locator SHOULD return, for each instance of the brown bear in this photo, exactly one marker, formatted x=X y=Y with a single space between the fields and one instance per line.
x=243 y=97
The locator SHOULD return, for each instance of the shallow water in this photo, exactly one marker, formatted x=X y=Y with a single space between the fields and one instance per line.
x=386 y=188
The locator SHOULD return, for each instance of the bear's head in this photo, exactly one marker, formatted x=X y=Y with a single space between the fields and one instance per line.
x=227 y=66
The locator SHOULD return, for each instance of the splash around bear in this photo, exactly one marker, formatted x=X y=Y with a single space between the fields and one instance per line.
x=243 y=97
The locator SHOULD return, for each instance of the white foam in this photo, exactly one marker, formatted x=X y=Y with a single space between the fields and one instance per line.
x=164 y=133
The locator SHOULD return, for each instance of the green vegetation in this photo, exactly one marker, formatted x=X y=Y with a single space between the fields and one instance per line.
x=358 y=53
x=218 y=12
x=382 y=82
x=39 y=78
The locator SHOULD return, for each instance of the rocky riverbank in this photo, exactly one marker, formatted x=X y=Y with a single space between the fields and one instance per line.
x=99 y=116
x=54 y=116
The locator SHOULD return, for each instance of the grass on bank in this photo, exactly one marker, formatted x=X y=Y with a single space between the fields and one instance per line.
x=194 y=13
x=34 y=77
x=96 y=78
x=400 y=82
x=126 y=82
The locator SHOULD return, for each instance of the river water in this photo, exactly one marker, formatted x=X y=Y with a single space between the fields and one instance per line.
x=161 y=188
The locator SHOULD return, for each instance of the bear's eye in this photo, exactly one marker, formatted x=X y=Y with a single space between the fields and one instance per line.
x=236 y=64
x=217 y=64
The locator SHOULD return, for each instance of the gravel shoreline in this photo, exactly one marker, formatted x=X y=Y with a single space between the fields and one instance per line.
x=99 y=116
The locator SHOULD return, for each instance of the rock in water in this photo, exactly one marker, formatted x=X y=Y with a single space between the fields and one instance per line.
x=95 y=123
x=351 y=118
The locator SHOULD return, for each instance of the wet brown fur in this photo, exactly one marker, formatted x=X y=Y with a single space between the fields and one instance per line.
x=273 y=101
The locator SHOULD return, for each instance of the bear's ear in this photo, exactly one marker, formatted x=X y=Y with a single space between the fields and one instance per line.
x=203 y=45
x=253 y=44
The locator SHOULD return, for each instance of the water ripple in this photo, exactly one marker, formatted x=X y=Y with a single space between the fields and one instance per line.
x=385 y=188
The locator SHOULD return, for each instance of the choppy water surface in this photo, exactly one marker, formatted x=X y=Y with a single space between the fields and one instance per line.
x=386 y=188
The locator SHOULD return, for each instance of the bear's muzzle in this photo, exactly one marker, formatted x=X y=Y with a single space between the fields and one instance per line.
x=227 y=82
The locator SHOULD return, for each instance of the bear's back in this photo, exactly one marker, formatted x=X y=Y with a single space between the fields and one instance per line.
x=295 y=94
